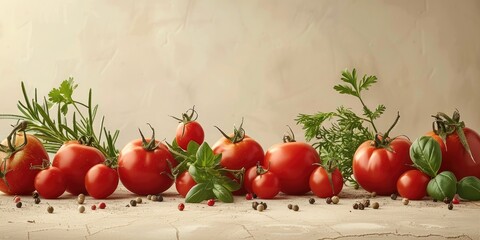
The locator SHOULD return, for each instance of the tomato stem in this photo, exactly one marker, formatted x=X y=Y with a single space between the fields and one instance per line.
x=444 y=125
x=189 y=116
x=289 y=136
x=11 y=149
x=149 y=145
x=238 y=134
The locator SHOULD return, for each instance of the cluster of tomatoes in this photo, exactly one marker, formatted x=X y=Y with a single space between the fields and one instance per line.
x=290 y=167
x=388 y=168
x=145 y=166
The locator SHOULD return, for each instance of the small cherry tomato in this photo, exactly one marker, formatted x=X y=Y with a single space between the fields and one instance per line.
x=101 y=181
x=51 y=183
x=266 y=185
x=189 y=129
x=413 y=184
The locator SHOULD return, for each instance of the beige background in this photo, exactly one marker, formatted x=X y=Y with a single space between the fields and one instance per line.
x=266 y=61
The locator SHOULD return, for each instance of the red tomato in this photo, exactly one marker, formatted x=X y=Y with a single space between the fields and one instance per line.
x=235 y=156
x=18 y=174
x=145 y=171
x=75 y=159
x=101 y=181
x=189 y=131
x=292 y=162
x=184 y=182
x=454 y=156
x=266 y=185
x=413 y=184
x=323 y=185
x=50 y=183
x=378 y=169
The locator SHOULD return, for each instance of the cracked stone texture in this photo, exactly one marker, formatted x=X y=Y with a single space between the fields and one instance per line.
x=265 y=60
x=161 y=220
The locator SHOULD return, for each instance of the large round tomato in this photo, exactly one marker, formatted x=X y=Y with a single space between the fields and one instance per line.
x=235 y=156
x=412 y=184
x=101 y=181
x=292 y=162
x=378 y=169
x=145 y=171
x=75 y=159
x=19 y=176
x=266 y=185
x=184 y=182
x=454 y=156
x=189 y=131
x=323 y=185
x=50 y=183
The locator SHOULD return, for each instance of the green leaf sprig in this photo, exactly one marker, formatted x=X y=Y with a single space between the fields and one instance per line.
x=348 y=130
x=204 y=167
x=426 y=155
x=54 y=129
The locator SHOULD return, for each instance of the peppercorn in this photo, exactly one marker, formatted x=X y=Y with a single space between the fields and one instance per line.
x=393 y=196
x=361 y=206
x=335 y=199
x=311 y=200
x=295 y=208
x=375 y=205
x=254 y=205
x=328 y=200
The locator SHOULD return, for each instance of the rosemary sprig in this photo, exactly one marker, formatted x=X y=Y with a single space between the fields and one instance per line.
x=53 y=129
x=339 y=142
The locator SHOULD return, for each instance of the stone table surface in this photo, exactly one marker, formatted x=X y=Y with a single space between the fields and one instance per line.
x=162 y=220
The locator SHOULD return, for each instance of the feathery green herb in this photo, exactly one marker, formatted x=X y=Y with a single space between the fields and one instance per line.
x=339 y=141
x=54 y=129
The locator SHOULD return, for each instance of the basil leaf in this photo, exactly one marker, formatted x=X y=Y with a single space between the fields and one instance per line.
x=192 y=148
x=205 y=156
x=229 y=184
x=426 y=155
x=469 y=188
x=442 y=186
x=198 y=193
x=198 y=174
x=222 y=193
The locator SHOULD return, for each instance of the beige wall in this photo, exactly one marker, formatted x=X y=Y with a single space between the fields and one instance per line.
x=264 y=60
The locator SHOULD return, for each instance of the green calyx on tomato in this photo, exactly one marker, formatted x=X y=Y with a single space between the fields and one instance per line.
x=151 y=144
x=445 y=125
x=238 y=134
